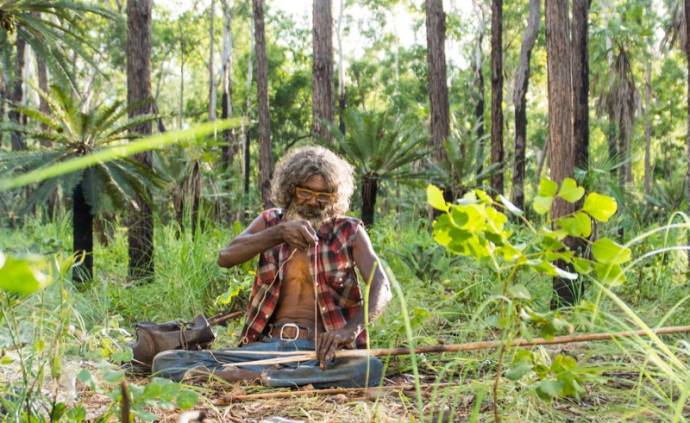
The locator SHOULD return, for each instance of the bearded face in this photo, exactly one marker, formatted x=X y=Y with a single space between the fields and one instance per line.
x=312 y=201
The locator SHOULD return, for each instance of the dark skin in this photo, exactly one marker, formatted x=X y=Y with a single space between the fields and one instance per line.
x=299 y=234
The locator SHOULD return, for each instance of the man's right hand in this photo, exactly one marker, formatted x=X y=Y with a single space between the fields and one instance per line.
x=298 y=234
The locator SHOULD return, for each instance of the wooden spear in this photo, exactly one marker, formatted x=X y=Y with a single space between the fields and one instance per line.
x=295 y=356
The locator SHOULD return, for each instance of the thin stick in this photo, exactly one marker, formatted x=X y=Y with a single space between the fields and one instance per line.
x=224 y=317
x=295 y=356
x=329 y=391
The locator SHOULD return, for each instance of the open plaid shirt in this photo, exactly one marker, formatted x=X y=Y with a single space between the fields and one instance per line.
x=339 y=296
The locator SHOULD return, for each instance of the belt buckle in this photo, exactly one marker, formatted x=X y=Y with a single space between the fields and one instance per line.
x=292 y=325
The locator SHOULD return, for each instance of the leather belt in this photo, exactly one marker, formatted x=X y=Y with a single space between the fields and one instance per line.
x=290 y=332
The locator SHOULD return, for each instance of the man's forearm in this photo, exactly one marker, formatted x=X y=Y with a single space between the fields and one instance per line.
x=245 y=247
x=379 y=296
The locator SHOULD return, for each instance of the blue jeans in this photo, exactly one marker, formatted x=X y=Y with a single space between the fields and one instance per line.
x=341 y=372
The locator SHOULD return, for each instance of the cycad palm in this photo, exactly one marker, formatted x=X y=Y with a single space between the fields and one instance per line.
x=380 y=149
x=74 y=133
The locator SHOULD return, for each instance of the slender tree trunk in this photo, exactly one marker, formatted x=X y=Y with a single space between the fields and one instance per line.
x=369 y=192
x=560 y=107
x=230 y=147
x=265 y=150
x=479 y=105
x=195 y=191
x=322 y=79
x=687 y=57
x=648 y=131
x=438 y=89
x=580 y=71
x=18 y=94
x=520 y=100
x=140 y=235
x=82 y=235
x=497 y=93
x=245 y=130
x=212 y=95
x=180 y=107
x=341 y=70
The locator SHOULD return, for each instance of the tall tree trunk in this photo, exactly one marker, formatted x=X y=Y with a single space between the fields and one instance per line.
x=580 y=64
x=194 y=188
x=369 y=192
x=687 y=135
x=245 y=130
x=18 y=94
x=212 y=94
x=648 y=131
x=82 y=235
x=341 y=70
x=497 y=93
x=479 y=105
x=438 y=89
x=180 y=107
x=230 y=147
x=560 y=107
x=140 y=234
x=265 y=153
x=520 y=100
x=322 y=79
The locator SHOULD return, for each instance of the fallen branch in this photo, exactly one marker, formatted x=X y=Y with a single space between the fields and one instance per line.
x=296 y=356
x=224 y=317
x=329 y=391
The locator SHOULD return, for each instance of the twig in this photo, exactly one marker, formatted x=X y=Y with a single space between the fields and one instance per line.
x=329 y=391
x=295 y=356
x=224 y=317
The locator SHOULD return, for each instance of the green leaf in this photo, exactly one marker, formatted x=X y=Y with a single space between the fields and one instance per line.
x=600 y=207
x=187 y=399
x=607 y=251
x=23 y=275
x=549 y=389
x=434 y=196
x=579 y=225
x=519 y=292
x=541 y=204
x=569 y=191
x=582 y=266
x=114 y=376
x=609 y=274
x=547 y=187
x=522 y=364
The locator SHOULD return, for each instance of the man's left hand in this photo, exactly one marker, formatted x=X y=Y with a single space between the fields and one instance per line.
x=329 y=342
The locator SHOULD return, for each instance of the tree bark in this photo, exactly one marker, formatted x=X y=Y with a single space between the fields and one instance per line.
x=479 y=105
x=230 y=148
x=82 y=235
x=687 y=135
x=438 y=88
x=140 y=235
x=580 y=63
x=322 y=79
x=520 y=100
x=560 y=108
x=18 y=94
x=497 y=93
x=245 y=131
x=369 y=192
x=648 y=131
x=212 y=94
x=341 y=70
x=265 y=150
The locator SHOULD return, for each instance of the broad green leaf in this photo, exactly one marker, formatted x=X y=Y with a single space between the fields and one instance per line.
x=113 y=376
x=187 y=399
x=600 y=207
x=483 y=197
x=582 y=266
x=609 y=274
x=607 y=251
x=549 y=389
x=522 y=364
x=541 y=204
x=579 y=225
x=519 y=292
x=23 y=275
x=547 y=187
x=434 y=196
x=569 y=191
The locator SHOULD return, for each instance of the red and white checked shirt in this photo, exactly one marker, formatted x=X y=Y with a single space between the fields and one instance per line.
x=339 y=296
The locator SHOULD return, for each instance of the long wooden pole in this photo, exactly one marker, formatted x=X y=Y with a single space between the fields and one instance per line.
x=294 y=356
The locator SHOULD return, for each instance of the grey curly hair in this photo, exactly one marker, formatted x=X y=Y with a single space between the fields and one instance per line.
x=299 y=164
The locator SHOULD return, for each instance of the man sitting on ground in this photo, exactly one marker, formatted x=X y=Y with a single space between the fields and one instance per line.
x=306 y=294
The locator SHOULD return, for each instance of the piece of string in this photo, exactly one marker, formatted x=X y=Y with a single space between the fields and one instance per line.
x=316 y=294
